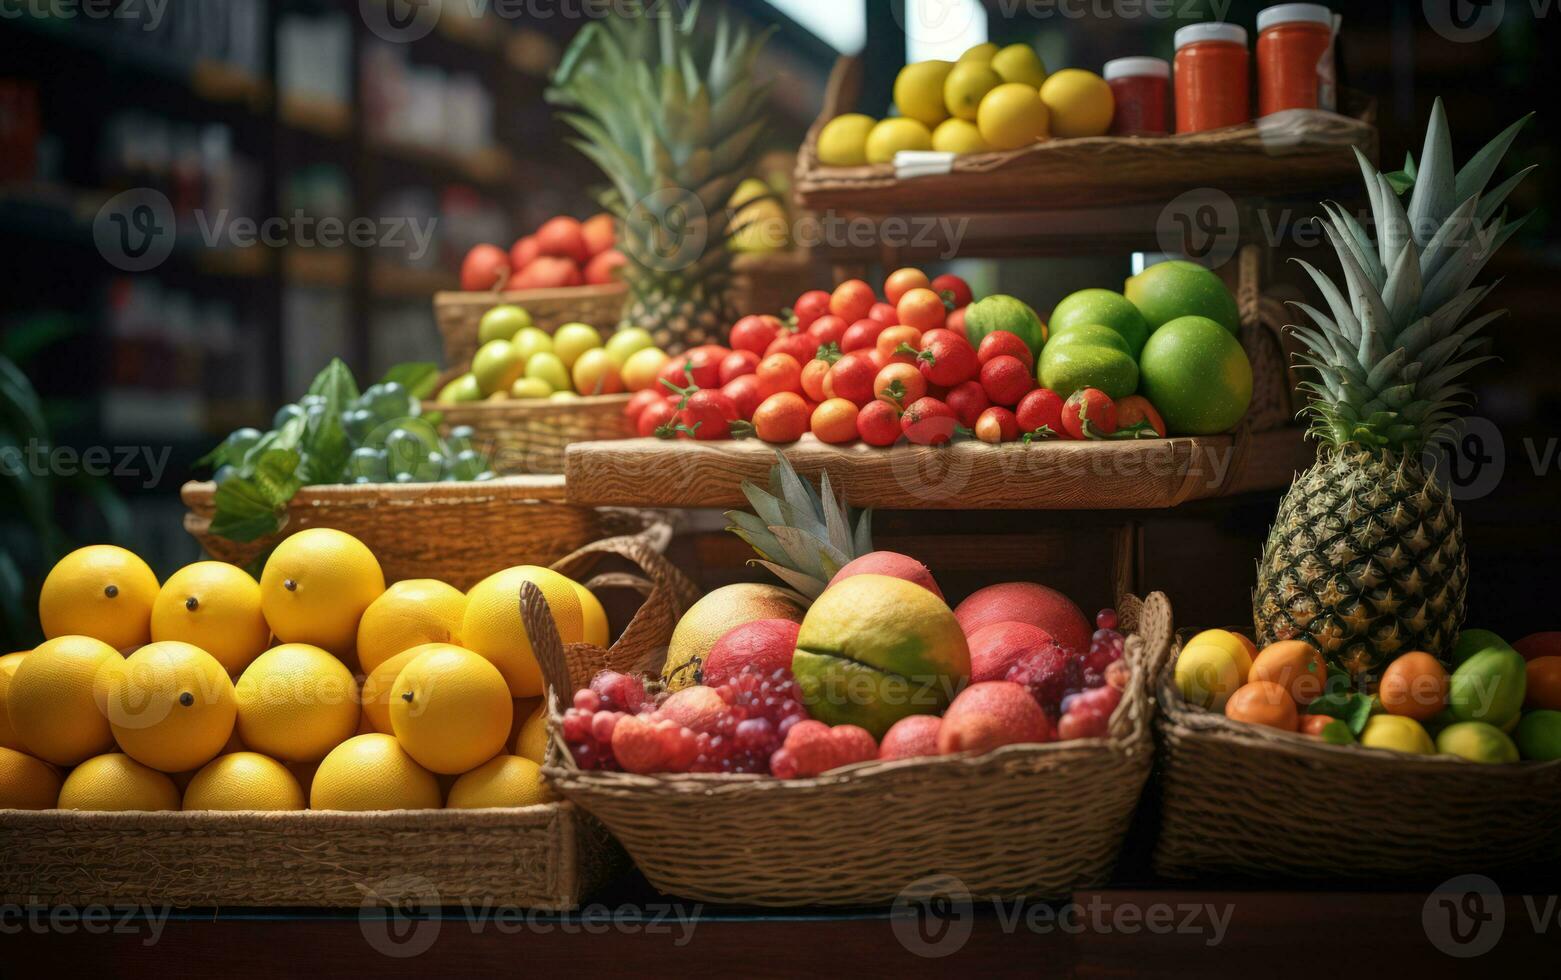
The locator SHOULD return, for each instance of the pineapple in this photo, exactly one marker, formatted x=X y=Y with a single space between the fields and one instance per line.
x=802 y=535
x=1366 y=557
x=675 y=130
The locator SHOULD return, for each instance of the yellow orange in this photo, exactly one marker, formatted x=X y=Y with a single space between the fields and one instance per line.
x=531 y=743
x=170 y=705
x=504 y=780
x=8 y=737
x=1415 y=686
x=372 y=772
x=244 y=781
x=316 y=586
x=409 y=614
x=450 y=709
x=493 y=628
x=216 y=607
x=117 y=782
x=1239 y=647
x=295 y=703
x=27 y=783
x=1263 y=703
x=375 y=694
x=51 y=704
x=99 y=591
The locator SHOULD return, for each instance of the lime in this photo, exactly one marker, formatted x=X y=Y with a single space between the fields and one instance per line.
x=1471 y=642
x=1068 y=367
x=530 y=340
x=893 y=135
x=1197 y=375
x=496 y=366
x=1396 y=733
x=462 y=389
x=918 y=91
x=573 y=339
x=1088 y=333
x=502 y=323
x=549 y=367
x=626 y=342
x=530 y=388
x=1103 y=307
x=1001 y=312
x=843 y=140
x=1168 y=290
x=1539 y=735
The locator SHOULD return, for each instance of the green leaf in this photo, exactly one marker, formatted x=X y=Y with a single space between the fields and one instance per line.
x=255 y=506
x=419 y=378
x=1400 y=181
x=1347 y=706
x=336 y=383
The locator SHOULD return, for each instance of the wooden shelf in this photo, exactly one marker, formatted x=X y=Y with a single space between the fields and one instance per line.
x=332 y=120
x=321 y=267
x=392 y=279
x=491 y=166
x=1143 y=475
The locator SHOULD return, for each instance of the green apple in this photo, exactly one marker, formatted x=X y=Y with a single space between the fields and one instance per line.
x=1103 y=307
x=627 y=342
x=530 y=388
x=496 y=366
x=501 y=323
x=562 y=396
x=1197 y=375
x=462 y=389
x=531 y=341
x=549 y=367
x=573 y=339
x=1168 y=290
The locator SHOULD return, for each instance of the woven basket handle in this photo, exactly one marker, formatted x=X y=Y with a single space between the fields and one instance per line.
x=668 y=596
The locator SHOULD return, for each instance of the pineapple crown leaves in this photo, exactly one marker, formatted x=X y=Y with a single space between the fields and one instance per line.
x=1388 y=353
x=802 y=535
x=666 y=118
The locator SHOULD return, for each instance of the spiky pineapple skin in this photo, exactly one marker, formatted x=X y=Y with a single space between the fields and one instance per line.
x=1366 y=561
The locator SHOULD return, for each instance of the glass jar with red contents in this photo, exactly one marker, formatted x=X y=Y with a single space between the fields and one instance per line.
x=1142 y=90
x=1211 y=77
x=1295 y=58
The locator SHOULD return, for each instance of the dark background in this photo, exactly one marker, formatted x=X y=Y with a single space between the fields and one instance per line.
x=216 y=338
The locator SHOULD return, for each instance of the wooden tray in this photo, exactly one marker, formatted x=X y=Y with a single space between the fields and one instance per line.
x=1143 y=475
x=1278 y=156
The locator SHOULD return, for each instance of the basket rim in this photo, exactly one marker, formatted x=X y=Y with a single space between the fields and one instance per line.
x=531 y=405
x=1183 y=720
x=542 y=487
x=367 y=819
x=534 y=295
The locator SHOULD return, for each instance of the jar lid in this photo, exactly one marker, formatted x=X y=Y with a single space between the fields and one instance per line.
x=1134 y=67
x=1211 y=31
x=1291 y=13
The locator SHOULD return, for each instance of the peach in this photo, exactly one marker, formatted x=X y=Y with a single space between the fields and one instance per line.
x=991 y=714
x=892 y=564
x=563 y=237
x=599 y=232
x=697 y=708
x=1026 y=602
x=603 y=267
x=911 y=738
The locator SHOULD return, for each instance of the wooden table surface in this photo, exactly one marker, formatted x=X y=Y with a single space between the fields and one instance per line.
x=1111 y=933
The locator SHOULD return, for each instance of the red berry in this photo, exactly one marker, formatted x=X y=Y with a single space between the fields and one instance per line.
x=827 y=329
x=708 y=415
x=738 y=363
x=1041 y=408
x=802 y=346
x=862 y=334
x=997 y=425
x=1006 y=379
x=953 y=289
x=809 y=750
x=852 y=378
x=656 y=416
x=852 y=299
x=884 y=313
x=928 y=422
x=746 y=394
x=947 y=358
x=853 y=744
x=809 y=307
x=1000 y=342
x=705 y=363
x=968 y=400
x=1048 y=672
x=1089 y=413
x=618 y=691
x=638 y=402
x=755 y=333
x=879 y=423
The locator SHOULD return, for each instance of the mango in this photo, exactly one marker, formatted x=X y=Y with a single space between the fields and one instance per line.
x=1539 y=736
x=1471 y=642
x=1477 y=742
x=1396 y=734
x=875 y=649
x=1488 y=686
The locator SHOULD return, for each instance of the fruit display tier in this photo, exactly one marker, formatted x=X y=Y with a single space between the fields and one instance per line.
x=1089 y=475
x=458 y=313
x=1281 y=155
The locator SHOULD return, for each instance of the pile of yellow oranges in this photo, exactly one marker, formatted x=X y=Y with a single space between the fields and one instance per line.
x=315 y=687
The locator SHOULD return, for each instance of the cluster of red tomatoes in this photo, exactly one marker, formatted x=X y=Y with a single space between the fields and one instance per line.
x=849 y=366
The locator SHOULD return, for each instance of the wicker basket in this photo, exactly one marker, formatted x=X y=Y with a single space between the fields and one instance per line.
x=529 y=435
x=457 y=532
x=1023 y=820
x=458 y=313
x=548 y=856
x=1248 y=800
x=1275 y=155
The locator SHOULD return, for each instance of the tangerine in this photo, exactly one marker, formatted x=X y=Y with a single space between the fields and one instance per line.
x=834 y=421
x=1263 y=703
